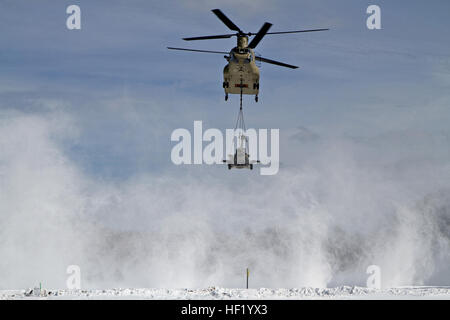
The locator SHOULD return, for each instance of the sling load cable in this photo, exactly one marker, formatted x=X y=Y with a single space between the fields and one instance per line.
x=240 y=124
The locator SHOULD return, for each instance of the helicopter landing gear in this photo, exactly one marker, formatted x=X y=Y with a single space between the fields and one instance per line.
x=226 y=96
x=229 y=167
x=256 y=98
x=251 y=167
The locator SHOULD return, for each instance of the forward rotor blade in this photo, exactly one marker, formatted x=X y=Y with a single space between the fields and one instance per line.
x=276 y=62
x=225 y=20
x=298 y=31
x=195 y=50
x=261 y=33
x=219 y=36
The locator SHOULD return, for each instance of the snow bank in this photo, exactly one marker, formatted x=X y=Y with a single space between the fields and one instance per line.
x=214 y=293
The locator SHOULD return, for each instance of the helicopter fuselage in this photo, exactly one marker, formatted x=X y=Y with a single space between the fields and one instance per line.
x=241 y=70
x=241 y=74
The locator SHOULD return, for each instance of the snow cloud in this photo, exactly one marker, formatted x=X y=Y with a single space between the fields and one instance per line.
x=320 y=225
x=85 y=124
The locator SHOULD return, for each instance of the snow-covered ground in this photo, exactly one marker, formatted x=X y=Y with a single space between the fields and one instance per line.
x=215 y=293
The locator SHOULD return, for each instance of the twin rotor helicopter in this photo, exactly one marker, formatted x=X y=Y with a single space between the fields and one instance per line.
x=241 y=74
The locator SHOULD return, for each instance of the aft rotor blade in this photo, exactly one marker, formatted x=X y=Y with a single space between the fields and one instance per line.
x=225 y=20
x=195 y=50
x=261 y=33
x=219 y=36
x=276 y=62
x=298 y=31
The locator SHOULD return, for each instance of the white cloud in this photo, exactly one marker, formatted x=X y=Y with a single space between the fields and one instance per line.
x=319 y=225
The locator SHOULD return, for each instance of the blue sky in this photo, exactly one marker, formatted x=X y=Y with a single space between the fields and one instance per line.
x=363 y=122
x=351 y=80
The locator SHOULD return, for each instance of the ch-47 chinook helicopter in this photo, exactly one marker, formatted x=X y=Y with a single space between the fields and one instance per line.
x=241 y=74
